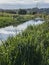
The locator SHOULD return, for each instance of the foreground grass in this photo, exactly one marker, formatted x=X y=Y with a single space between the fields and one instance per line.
x=29 y=48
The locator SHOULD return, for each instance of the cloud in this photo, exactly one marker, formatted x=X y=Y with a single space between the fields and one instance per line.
x=23 y=1
x=46 y=1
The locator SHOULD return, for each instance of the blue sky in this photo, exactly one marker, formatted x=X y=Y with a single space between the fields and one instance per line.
x=23 y=1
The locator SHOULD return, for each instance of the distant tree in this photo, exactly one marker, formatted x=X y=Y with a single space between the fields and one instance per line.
x=11 y=11
x=34 y=13
x=22 y=11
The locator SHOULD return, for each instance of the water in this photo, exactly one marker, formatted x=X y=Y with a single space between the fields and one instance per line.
x=12 y=31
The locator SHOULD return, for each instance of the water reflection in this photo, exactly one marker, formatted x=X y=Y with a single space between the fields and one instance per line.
x=12 y=31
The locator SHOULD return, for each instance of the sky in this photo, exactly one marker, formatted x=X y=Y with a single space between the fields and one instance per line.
x=23 y=1
x=13 y=4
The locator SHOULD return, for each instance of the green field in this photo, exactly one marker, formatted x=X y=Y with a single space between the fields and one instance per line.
x=29 y=48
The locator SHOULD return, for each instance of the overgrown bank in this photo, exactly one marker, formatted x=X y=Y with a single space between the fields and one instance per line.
x=30 y=48
x=7 y=19
x=13 y=19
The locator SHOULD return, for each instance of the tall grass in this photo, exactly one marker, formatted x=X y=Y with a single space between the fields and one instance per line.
x=29 y=48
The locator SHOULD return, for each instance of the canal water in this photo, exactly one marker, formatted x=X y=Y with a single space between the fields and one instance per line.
x=12 y=31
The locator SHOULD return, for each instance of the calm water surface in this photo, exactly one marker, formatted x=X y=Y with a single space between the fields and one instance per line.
x=12 y=31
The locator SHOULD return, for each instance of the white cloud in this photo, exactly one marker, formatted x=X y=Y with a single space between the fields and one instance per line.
x=47 y=1
x=23 y=1
x=7 y=1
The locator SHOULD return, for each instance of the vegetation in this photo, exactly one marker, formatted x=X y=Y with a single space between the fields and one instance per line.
x=7 y=19
x=28 y=11
x=22 y=11
x=13 y=19
x=29 y=48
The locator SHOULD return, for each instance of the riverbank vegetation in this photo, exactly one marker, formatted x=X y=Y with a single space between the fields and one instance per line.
x=29 y=48
x=7 y=19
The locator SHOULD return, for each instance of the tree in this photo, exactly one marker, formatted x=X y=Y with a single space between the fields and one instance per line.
x=22 y=11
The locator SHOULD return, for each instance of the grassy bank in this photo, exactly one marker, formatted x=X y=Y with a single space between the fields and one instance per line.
x=29 y=48
x=7 y=19
x=13 y=19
